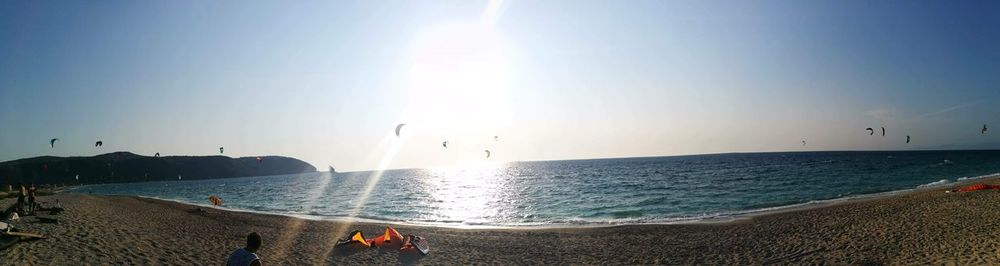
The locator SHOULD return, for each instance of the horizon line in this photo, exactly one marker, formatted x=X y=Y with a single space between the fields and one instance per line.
x=528 y=161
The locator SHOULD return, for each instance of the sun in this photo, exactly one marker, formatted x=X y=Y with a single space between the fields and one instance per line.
x=458 y=79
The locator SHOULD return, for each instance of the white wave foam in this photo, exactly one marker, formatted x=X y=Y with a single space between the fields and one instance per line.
x=989 y=175
x=935 y=183
x=979 y=177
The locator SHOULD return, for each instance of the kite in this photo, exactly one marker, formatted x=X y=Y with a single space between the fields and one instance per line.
x=355 y=237
x=398 y=127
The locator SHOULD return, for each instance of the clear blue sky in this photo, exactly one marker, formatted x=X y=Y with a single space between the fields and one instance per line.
x=327 y=81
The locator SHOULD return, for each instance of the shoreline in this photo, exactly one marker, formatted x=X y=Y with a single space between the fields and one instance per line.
x=714 y=219
x=923 y=226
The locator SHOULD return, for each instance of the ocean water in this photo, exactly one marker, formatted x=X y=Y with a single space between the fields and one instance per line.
x=581 y=192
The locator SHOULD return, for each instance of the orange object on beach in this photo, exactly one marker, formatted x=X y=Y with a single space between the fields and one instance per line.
x=215 y=200
x=355 y=237
x=390 y=236
x=978 y=187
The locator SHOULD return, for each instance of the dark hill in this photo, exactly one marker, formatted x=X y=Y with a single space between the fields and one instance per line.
x=129 y=167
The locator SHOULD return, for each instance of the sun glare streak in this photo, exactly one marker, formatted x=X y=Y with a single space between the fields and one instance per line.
x=294 y=226
x=387 y=157
x=458 y=79
x=494 y=9
x=372 y=181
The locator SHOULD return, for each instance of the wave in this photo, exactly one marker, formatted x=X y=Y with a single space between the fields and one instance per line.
x=935 y=183
x=979 y=177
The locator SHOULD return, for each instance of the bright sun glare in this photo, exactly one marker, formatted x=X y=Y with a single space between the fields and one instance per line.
x=458 y=81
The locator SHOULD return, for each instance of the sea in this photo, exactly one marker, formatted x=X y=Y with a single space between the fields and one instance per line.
x=615 y=191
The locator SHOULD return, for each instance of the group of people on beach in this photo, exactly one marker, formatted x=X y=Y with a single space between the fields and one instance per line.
x=26 y=198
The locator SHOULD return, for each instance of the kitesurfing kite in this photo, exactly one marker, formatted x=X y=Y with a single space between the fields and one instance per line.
x=221 y=149
x=52 y=143
x=883 y=131
x=984 y=129
x=487 y=154
x=870 y=131
x=156 y=155
x=390 y=237
x=398 y=127
x=907 y=139
x=445 y=144
x=99 y=143
x=355 y=237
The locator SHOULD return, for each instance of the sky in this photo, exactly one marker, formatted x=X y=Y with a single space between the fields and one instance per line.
x=328 y=81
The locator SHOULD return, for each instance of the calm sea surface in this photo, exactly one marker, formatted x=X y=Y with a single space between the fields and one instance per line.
x=581 y=192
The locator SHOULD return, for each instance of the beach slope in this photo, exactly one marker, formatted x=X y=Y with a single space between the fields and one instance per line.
x=923 y=227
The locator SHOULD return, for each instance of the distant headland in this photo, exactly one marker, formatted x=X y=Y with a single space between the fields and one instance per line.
x=129 y=167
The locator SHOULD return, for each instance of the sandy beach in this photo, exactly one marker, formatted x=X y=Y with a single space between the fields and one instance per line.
x=921 y=227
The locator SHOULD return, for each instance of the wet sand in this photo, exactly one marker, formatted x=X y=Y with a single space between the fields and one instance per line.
x=921 y=227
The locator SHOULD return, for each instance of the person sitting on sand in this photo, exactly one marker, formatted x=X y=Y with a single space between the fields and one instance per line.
x=20 y=197
x=31 y=197
x=248 y=255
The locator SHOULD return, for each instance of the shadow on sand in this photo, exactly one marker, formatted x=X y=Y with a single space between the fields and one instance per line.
x=197 y=211
x=406 y=257
x=409 y=256
x=348 y=250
